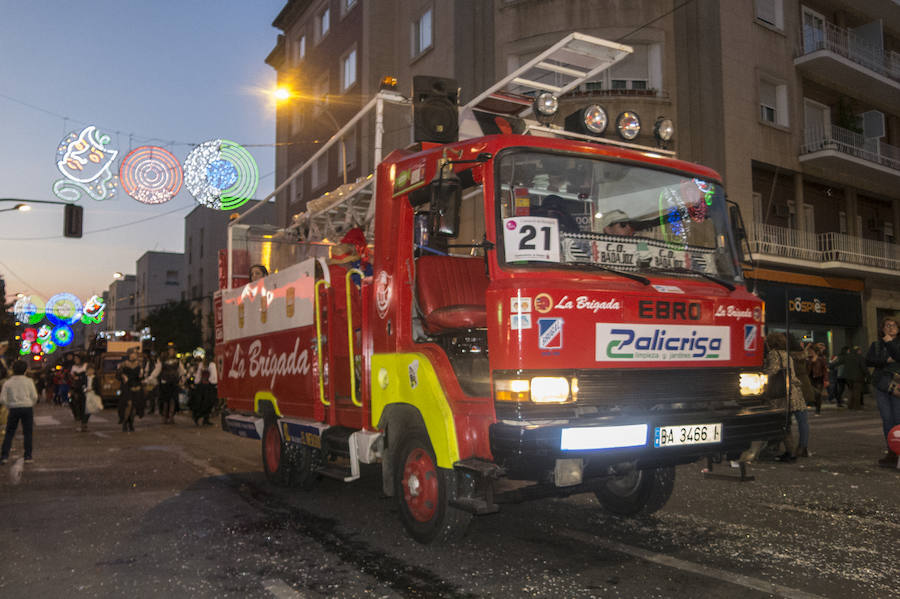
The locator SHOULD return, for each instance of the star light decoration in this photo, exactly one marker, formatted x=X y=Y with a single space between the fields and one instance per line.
x=151 y=175
x=85 y=160
x=221 y=174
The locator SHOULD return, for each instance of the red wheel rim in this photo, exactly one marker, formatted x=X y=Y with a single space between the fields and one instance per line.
x=420 y=485
x=273 y=449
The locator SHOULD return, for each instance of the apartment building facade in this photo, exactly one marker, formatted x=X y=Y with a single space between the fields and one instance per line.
x=795 y=103
x=158 y=281
x=121 y=306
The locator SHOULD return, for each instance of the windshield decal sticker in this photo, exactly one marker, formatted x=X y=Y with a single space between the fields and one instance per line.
x=635 y=253
x=668 y=289
x=623 y=342
x=533 y=238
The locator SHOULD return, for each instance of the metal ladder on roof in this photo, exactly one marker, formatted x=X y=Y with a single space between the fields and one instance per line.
x=559 y=69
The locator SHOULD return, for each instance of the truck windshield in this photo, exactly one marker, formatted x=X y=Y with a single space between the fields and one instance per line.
x=590 y=213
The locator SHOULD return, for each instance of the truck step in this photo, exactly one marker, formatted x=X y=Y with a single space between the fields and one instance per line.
x=475 y=505
x=337 y=473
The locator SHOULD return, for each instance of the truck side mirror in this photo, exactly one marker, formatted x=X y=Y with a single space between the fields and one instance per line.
x=737 y=230
x=446 y=197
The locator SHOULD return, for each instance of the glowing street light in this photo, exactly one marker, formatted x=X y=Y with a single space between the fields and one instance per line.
x=18 y=208
x=281 y=94
x=118 y=275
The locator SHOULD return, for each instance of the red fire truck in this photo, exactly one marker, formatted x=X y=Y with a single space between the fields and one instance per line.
x=543 y=312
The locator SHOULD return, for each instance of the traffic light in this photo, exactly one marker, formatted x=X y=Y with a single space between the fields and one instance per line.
x=72 y=220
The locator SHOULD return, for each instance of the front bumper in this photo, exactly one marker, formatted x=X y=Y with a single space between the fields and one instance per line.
x=529 y=449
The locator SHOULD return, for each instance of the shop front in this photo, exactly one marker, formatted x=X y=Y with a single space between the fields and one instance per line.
x=829 y=315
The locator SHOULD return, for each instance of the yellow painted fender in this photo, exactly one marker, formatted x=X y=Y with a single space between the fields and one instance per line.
x=265 y=397
x=410 y=379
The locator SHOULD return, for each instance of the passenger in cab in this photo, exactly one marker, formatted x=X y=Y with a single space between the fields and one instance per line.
x=258 y=271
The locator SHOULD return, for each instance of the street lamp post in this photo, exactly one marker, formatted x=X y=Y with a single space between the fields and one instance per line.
x=17 y=208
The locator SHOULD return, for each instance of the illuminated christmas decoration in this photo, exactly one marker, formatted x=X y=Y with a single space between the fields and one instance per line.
x=151 y=175
x=221 y=174
x=48 y=348
x=85 y=160
x=25 y=348
x=64 y=308
x=29 y=309
x=36 y=348
x=29 y=335
x=62 y=335
x=94 y=310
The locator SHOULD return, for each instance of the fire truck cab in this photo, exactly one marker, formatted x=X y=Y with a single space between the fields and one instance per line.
x=529 y=315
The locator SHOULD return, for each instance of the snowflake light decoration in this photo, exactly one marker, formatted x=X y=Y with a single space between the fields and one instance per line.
x=151 y=175
x=221 y=174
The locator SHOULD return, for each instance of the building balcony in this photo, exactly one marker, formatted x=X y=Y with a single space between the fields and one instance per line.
x=833 y=252
x=836 y=148
x=837 y=58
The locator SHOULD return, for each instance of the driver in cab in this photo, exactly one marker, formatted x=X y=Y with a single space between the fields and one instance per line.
x=616 y=222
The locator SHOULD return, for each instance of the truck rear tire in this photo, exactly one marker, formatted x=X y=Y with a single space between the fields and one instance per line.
x=274 y=454
x=638 y=493
x=424 y=491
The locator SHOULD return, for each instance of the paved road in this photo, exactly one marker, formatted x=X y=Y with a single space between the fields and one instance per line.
x=180 y=511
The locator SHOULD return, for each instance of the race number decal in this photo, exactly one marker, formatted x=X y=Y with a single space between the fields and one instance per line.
x=532 y=238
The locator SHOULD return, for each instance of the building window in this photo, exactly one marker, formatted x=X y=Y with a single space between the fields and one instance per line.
x=422 y=35
x=346 y=5
x=640 y=70
x=319 y=172
x=171 y=277
x=348 y=70
x=320 y=94
x=201 y=242
x=842 y=222
x=301 y=48
x=773 y=102
x=323 y=23
x=889 y=232
x=770 y=12
x=296 y=120
x=200 y=277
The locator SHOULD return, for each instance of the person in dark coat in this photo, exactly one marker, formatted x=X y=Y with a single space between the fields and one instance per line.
x=855 y=376
x=131 y=401
x=884 y=357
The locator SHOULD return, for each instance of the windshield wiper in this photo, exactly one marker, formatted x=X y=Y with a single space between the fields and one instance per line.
x=627 y=275
x=687 y=271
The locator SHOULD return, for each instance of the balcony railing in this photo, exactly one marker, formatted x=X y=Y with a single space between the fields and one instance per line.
x=823 y=247
x=851 y=143
x=844 y=42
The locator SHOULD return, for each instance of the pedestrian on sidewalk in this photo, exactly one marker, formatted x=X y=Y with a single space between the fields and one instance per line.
x=884 y=356
x=19 y=395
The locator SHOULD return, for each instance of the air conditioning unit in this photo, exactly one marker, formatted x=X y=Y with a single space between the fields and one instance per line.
x=873 y=124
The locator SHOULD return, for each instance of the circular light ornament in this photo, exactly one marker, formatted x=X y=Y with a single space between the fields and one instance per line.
x=64 y=309
x=628 y=124
x=595 y=119
x=663 y=130
x=29 y=335
x=151 y=175
x=62 y=335
x=221 y=174
x=29 y=309
x=545 y=107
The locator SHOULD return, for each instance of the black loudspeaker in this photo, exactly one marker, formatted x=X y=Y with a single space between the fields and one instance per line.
x=435 y=109
x=72 y=217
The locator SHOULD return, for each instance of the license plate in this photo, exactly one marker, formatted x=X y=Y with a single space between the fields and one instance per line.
x=687 y=434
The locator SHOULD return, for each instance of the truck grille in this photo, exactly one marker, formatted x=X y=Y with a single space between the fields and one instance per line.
x=636 y=390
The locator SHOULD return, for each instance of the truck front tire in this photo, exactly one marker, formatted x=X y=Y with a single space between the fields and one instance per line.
x=638 y=493
x=424 y=491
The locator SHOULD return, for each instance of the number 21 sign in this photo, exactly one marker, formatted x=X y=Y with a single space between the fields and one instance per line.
x=531 y=238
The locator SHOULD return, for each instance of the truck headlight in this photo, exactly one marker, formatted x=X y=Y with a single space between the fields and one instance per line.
x=753 y=383
x=549 y=389
x=628 y=125
x=539 y=389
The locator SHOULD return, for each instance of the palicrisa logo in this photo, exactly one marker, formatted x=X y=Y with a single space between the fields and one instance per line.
x=616 y=342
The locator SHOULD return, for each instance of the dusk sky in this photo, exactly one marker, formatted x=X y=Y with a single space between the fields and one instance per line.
x=167 y=73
